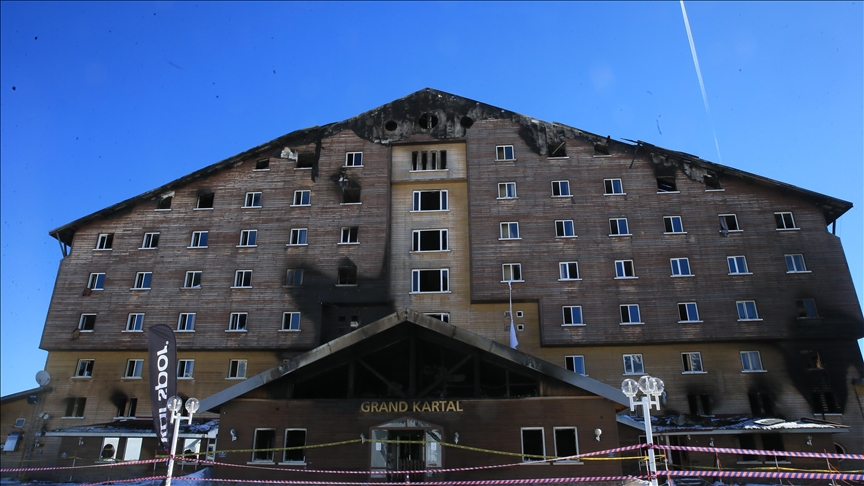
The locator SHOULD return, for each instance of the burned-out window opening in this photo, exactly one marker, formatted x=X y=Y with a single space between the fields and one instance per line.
x=430 y=201
x=105 y=241
x=428 y=160
x=747 y=442
x=164 y=204
x=291 y=321
x=466 y=122
x=812 y=359
x=262 y=164
x=699 y=404
x=427 y=121
x=712 y=182
x=441 y=316
x=566 y=443
x=205 y=201
x=263 y=445
x=773 y=442
x=601 y=149
x=347 y=276
x=666 y=184
x=305 y=160
x=761 y=404
x=806 y=308
x=430 y=240
x=391 y=125
x=351 y=195
x=295 y=440
x=87 y=322
x=294 y=277
x=533 y=443
x=557 y=150
x=349 y=235
x=824 y=402
x=127 y=407
x=433 y=280
x=75 y=407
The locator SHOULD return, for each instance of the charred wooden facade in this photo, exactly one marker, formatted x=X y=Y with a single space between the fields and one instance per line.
x=623 y=258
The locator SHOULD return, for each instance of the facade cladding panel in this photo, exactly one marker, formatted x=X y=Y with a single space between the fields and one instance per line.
x=348 y=286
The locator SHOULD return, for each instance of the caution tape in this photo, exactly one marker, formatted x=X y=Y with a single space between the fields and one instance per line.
x=750 y=452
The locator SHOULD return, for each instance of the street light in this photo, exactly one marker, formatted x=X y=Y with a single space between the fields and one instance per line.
x=651 y=389
x=174 y=404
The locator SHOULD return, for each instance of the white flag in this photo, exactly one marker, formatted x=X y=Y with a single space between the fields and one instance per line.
x=514 y=343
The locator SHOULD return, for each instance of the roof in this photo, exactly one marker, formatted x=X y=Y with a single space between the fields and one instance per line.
x=448 y=330
x=681 y=425
x=137 y=428
x=457 y=114
x=24 y=394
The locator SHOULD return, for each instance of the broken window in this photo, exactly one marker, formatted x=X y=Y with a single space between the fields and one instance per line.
x=572 y=315
x=773 y=442
x=127 y=407
x=349 y=235
x=186 y=322
x=429 y=160
x=185 y=367
x=298 y=237
x=812 y=360
x=509 y=231
x=291 y=321
x=556 y=149
x=430 y=240
x=566 y=443
x=630 y=314
x=165 y=203
x=761 y=404
x=511 y=272
x=248 y=238
x=673 y=224
x=294 y=277
x=564 y=229
x=351 y=195
x=806 y=308
x=712 y=182
x=75 y=407
x=688 y=312
x=601 y=149
x=263 y=445
x=728 y=223
x=262 y=164
x=142 y=281
x=560 y=188
x=347 y=276
x=666 y=184
x=441 y=316
x=305 y=160
x=695 y=401
x=151 y=241
x=253 y=200
x=354 y=159
x=506 y=190
x=302 y=198
x=427 y=120
x=784 y=221
x=613 y=186
x=618 y=227
x=135 y=322
x=576 y=364
x=533 y=444
x=96 y=281
x=237 y=322
x=205 y=201
x=747 y=442
x=243 y=278
x=199 y=239
x=680 y=267
x=192 y=280
x=504 y=152
x=568 y=271
x=87 y=322
x=430 y=201
x=692 y=362
x=237 y=369
x=295 y=440
x=437 y=280
x=84 y=369
x=795 y=263
x=105 y=241
x=824 y=402
x=134 y=368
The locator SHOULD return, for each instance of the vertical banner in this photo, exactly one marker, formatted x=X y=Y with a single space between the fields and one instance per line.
x=162 y=356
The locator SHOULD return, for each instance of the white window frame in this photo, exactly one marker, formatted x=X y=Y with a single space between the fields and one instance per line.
x=625 y=269
x=134 y=369
x=190 y=279
x=246 y=236
x=302 y=197
x=242 y=279
x=82 y=321
x=802 y=303
x=629 y=316
x=417 y=238
x=542 y=441
x=84 y=368
x=252 y=200
x=569 y=315
x=270 y=455
x=197 y=236
x=795 y=263
x=573 y=359
x=141 y=279
x=686 y=310
x=785 y=221
x=238 y=322
x=576 y=443
x=744 y=313
x=505 y=188
x=669 y=223
x=299 y=237
x=677 y=271
x=150 y=241
x=353 y=159
x=285 y=445
x=434 y=160
x=291 y=277
x=564 y=228
x=186 y=322
x=132 y=451
x=566 y=271
x=506 y=230
x=444 y=281
x=237 y=369
x=262 y=165
x=738 y=261
x=105 y=242
x=441 y=316
x=610 y=189
x=96 y=281
x=292 y=319
x=114 y=442
x=349 y=235
x=199 y=207
x=634 y=359
x=443 y=201
x=134 y=322
x=725 y=217
x=747 y=362
x=691 y=363
x=188 y=367
x=617 y=227
x=508 y=268
x=501 y=153
x=562 y=188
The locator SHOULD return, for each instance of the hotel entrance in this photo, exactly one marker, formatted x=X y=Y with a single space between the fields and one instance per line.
x=405 y=445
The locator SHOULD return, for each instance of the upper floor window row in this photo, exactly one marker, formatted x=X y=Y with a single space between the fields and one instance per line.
x=428 y=160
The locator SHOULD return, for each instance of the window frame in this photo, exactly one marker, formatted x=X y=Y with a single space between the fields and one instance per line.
x=134 y=322
x=743 y=305
x=676 y=261
x=669 y=223
x=501 y=150
x=781 y=221
x=150 y=241
x=725 y=218
x=190 y=278
x=562 y=187
x=575 y=443
x=417 y=240
x=302 y=197
x=568 y=314
x=299 y=237
x=188 y=367
x=262 y=165
x=84 y=368
x=506 y=186
x=292 y=318
x=186 y=320
x=572 y=359
x=197 y=237
x=242 y=279
x=238 y=322
x=795 y=263
x=285 y=451
x=268 y=454
x=622 y=267
x=685 y=309
x=297 y=274
x=444 y=281
x=349 y=235
x=248 y=235
x=522 y=431
x=436 y=160
x=562 y=226
x=801 y=304
x=610 y=189
x=75 y=407
x=689 y=364
x=508 y=226
x=630 y=321
x=104 y=242
x=747 y=365
x=617 y=227
x=142 y=279
x=633 y=361
x=565 y=271
x=346 y=276
x=511 y=266
x=738 y=260
x=443 y=201
x=253 y=200
x=136 y=366
x=237 y=372
x=207 y=205
x=96 y=281
x=352 y=159
x=441 y=316
x=87 y=319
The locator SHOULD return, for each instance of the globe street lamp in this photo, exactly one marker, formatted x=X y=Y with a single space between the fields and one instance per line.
x=174 y=405
x=652 y=389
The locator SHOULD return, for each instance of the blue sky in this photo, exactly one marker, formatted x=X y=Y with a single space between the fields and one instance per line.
x=103 y=101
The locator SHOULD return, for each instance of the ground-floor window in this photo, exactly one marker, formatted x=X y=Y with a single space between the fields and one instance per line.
x=533 y=443
x=294 y=438
x=265 y=441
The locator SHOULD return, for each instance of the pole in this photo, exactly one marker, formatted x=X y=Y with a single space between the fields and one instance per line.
x=176 y=419
x=646 y=413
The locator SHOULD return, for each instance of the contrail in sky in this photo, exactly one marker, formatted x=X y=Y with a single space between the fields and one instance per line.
x=699 y=75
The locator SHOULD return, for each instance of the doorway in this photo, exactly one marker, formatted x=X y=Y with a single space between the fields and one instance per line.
x=405 y=445
x=406 y=453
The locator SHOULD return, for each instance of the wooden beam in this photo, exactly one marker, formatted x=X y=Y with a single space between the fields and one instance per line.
x=390 y=384
x=440 y=380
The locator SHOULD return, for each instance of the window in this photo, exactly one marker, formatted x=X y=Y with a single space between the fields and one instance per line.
x=561 y=189
x=237 y=369
x=87 y=322
x=506 y=190
x=347 y=276
x=185 y=367
x=557 y=149
x=429 y=160
x=298 y=237
x=84 y=369
x=186 y=322
x=237 y=321
x=630 y=314
x=666 y=184
x=795 y=264
x=192 y=280
x=618 y=227
x=509 y=231
x=633 y=364
x=295 y=440
x=199 y=239
x=784 y=221
x=294 y=277
x=164 y=204
x=11 y=442
x=728 y=223
x=242 y=279
x=134 y=368
x=354 y=159
x=806 y=308
x=673 y=224
x=761 y=404
x=692 y=362
x=248 y=238
x=601 y=148
x=349 y=235
x=694 y=401
x=351 y=193
x=430 y=201
x=712 y=182
x=302 y=198
x=747 y=442
x=812 y=360
x=262 y=164
x=291 y=321
x=437 y=280
x=75 y=407
x=305 y=160
x=533 y=444
x=126 y=407
x=687 y=312
x=96 y=281
x=430 y=240
x=151 y=241
x=512 y=272
x=504 y=152
x=613 y=186
x=253 y=200
x=680 y=267
x=142 y=281
x=568 y=271
x=564 y=229
x=19 y=422
x=576 y=364
x=751 y=361
x=572 y=315
x=747 y=310
x=737 y=265
x=624 y=269
x=824 y=402
x=263 y=445
x=566 y=443
x=109 y=449
x=105 y=241
x=441 y=316
x=135 y=322
x=205 y=201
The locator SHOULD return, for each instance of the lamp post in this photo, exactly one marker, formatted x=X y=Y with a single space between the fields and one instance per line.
x=651 y=389
x=174 y=405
